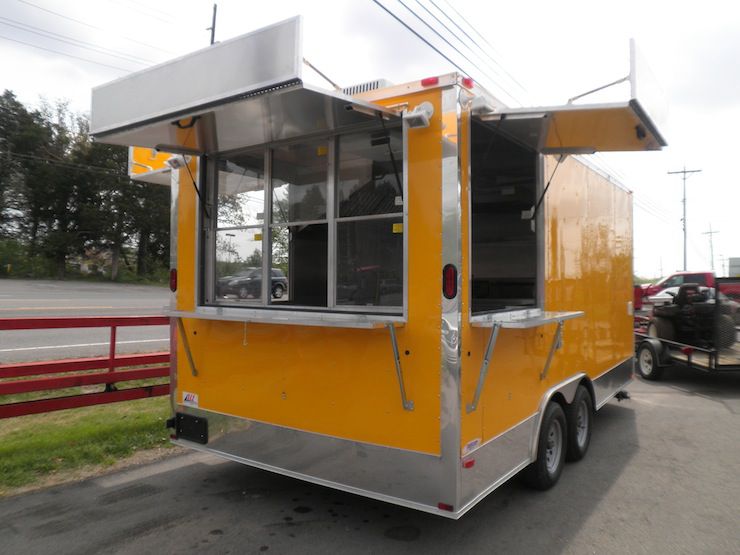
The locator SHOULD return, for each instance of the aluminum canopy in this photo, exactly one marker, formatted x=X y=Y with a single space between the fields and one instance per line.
x=579 y=129
x=240 y=93
x=292 y=111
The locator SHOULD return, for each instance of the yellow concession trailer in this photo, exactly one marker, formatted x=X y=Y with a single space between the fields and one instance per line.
x=408 y=292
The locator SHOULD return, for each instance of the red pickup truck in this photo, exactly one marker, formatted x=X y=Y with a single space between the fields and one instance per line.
x=679 y=278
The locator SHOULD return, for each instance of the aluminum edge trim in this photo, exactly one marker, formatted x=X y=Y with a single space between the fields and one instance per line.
x=450 y=408
x=405 y=141
x=174 y=207
x=174 y=203
x=610 y=395
x=482 y=445
x=321 y=481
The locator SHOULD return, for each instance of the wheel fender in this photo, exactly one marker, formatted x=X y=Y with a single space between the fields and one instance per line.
x=567 y=390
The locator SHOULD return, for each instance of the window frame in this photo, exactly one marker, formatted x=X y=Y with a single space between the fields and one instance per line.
x=539 y=302
x=332 y=313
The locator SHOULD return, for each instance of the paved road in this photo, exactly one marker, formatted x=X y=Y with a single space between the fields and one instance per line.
x=28 y=298
x=661 y=477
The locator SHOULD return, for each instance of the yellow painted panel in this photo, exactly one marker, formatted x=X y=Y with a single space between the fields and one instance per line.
x=588 y=266
x=338 y=382
x=146 y=160
x=602 y=129
x=186 y=222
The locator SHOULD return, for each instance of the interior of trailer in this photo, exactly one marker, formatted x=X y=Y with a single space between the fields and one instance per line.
x=503 y=182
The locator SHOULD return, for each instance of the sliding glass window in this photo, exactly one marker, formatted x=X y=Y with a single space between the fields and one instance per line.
x=334 y=233
x=239 y=228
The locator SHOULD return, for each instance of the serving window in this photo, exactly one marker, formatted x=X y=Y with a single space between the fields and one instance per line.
x=504 y=235
x=313 y=224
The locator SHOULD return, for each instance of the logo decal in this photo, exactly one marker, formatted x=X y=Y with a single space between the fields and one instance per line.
x=470 y=446
x=189 y=399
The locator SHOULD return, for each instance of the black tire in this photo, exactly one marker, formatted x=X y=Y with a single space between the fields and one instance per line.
x=662 y=328
x=243 y=292
x=725 y=331
x=277 y=291
x=648 y=363
x=545 y=471
x=579 y=415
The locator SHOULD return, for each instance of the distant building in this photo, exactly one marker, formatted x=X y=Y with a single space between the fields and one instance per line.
x=734 y=270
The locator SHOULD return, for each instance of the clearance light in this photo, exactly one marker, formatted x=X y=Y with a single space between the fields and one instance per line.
x=470 y=463
x=445 y=507
x=173 y=279
x=449 y=281
x=468 y=82
x=430 y=81
x=687 y=350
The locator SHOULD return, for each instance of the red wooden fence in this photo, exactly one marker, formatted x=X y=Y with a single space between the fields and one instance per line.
x=46 y=375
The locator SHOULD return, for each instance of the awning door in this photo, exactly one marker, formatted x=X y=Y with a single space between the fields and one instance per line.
x=243 y=92
x=578 y=129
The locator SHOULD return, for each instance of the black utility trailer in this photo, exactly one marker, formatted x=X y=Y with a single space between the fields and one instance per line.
x=698 y=329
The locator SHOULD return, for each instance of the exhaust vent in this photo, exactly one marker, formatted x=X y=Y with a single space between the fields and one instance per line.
x=366 y=87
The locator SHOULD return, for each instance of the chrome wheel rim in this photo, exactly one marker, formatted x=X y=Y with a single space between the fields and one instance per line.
x=582 y=423
x=554 y=446
x=646 y=361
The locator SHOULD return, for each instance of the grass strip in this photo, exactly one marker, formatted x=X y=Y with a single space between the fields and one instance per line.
x=35 y=446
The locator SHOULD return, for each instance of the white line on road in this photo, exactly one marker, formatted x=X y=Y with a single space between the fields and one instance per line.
x=81 y=345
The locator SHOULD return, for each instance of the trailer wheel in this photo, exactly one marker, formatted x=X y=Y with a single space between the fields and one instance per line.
x=579 y=415
x=648 y=362
x=662 y=328
x=545 y=471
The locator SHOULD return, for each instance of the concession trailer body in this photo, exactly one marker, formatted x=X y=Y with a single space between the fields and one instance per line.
x=457 y=286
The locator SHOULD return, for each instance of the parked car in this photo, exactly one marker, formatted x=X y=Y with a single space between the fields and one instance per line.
x=248 y=283
x=676 y=280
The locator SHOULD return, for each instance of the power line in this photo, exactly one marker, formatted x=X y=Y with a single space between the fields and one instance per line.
x=439 y=35
x=425 y=41
x=91 y=26
x=64 y=54
x=484 y=39
x=471 y=39
x=417 y=16
x=472 y=51
x=69 y=165
x=74 y=42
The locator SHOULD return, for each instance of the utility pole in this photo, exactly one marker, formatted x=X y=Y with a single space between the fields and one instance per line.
x=684 y=171
x=212 y=28
x=711 y=244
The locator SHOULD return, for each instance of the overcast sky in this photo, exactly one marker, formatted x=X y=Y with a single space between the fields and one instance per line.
x=535 y=53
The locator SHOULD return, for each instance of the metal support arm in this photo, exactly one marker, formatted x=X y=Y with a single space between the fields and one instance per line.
x=557 y=342
x=186 y=345
x=484 y=368
x=407 y=403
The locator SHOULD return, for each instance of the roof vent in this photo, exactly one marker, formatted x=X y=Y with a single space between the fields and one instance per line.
x=366 y=87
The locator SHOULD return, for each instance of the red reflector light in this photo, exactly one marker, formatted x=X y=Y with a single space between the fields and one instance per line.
x=173 y=279
x=468 y=82
x=449 y=281
x=445 y=507
x=470 y=463
x=430 y=81
x=687 y=350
